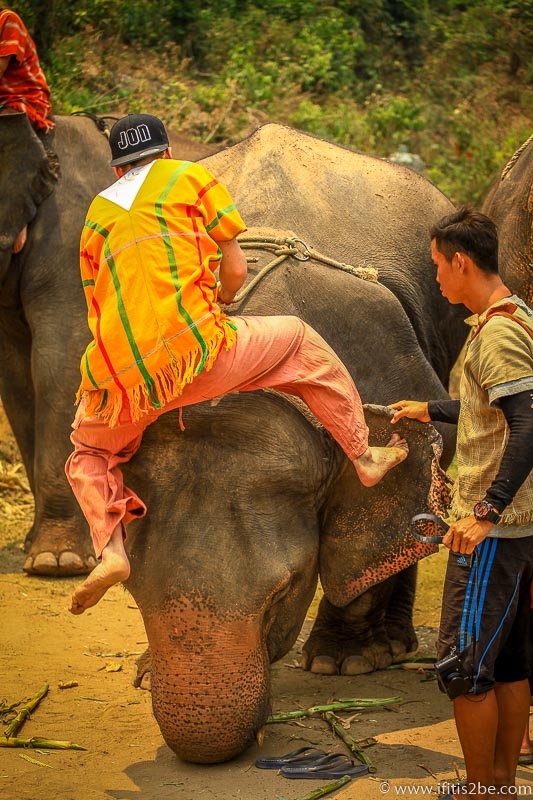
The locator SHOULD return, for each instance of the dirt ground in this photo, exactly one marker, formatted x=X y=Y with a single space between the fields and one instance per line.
x=125 y=757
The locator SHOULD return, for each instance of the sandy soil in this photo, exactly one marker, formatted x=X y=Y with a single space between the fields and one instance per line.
x=125 y=756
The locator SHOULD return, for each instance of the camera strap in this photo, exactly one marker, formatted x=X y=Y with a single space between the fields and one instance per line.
x=435 y=539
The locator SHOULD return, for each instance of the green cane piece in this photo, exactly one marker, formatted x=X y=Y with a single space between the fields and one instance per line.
x=16 y=724
x=348 y=740
x=8 y=710
x=353 y=704
x=35 y=742
x=331 y=787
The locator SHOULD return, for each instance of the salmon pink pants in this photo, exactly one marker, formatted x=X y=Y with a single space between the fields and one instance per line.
x=282 y=353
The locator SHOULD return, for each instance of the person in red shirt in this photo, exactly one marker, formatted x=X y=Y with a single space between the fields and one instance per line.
x=23 y=86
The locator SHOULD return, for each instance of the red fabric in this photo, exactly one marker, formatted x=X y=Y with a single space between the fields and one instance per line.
x=23 y=85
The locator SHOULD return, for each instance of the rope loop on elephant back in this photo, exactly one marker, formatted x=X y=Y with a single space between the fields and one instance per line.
x=291 y=247
x=514 y=158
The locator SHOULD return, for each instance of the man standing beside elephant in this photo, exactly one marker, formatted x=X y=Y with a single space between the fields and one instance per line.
x=149 y=249
x=483 y=640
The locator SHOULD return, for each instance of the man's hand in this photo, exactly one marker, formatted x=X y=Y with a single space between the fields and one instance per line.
x=232 y=272
x=412 y=409
x=224 y=296
x=465 y=534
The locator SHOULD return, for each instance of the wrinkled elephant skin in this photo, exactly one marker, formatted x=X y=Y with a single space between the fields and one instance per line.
x=353 y=207
x=510 y=204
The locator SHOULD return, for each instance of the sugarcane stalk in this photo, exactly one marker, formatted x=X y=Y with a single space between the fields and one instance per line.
x=353 y=704
x=331 y=787
x=16 y=724
x=35 y=742
x=348 y=740
x=5 y=709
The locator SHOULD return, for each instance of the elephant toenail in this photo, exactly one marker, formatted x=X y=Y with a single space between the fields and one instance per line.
x=71 y=561
x=356 y=665
x=44 y=564
x=324 y=665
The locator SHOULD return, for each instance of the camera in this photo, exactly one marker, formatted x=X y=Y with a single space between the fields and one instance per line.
x=453 y=677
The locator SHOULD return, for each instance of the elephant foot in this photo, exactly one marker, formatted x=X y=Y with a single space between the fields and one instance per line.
x=59 y=549
x=354 y=640
x=63 y=564
x=368 y=660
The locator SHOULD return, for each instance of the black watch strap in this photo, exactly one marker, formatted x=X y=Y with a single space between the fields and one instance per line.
x=484 y=510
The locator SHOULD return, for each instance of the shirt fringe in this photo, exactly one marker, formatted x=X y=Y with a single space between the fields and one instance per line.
x=168 y=384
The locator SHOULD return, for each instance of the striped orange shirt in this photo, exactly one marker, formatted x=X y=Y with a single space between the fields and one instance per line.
x=23 y=85
x=148 y=255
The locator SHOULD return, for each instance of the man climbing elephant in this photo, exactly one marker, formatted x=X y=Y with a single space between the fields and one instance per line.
x=149 y=250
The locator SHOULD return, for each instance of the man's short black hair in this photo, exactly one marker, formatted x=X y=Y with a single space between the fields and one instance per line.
x=470 y=232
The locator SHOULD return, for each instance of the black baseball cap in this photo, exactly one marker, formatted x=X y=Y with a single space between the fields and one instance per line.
x=136 y=136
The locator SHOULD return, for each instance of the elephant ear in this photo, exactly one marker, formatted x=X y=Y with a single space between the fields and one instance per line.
x=366 y=536
x=27 y=177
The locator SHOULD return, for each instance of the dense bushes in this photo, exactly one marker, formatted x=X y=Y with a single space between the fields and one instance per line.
x=451 y=80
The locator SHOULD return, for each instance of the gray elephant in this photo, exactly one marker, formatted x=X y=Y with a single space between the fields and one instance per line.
x=252 y=499
x=510 y=204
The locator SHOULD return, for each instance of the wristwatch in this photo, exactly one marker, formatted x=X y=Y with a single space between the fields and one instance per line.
x=486 y=511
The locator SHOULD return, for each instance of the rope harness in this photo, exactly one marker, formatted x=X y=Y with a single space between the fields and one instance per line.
x=514 y=158
x=291 y=247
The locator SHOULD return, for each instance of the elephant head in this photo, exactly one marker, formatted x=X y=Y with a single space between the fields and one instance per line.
x=247 y=504
x=28 y=175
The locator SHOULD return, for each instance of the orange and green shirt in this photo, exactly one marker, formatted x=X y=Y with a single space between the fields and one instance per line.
x=148 y=253
x=23 y=85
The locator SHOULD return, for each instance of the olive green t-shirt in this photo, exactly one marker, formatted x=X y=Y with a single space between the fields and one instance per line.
x=498 y=363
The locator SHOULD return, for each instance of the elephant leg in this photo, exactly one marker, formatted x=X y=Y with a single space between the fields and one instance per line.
x=16 y=387
x=351 y=640
x=59 y=543
x=399 y=614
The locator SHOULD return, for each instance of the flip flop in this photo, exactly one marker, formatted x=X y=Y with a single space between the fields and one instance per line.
x=334 y=765
x=525 y=758
x=304 y=755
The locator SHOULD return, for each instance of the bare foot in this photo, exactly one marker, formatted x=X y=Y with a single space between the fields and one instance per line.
x=113 y=569
x=377 y=461
x=20 y=241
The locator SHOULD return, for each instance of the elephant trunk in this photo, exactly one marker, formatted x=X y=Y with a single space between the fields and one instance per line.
x=210 y=683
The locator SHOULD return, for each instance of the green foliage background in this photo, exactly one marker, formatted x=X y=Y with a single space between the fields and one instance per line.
x=450 y=80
